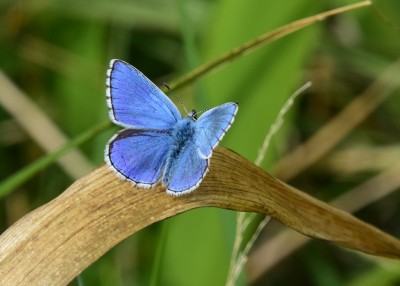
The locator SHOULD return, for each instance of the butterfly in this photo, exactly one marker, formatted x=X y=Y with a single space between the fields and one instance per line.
x=157 y=145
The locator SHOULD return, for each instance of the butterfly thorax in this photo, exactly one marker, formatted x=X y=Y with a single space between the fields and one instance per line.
x=183 y=134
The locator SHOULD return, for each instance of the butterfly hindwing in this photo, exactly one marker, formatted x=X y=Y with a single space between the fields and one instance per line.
x=185 y=172
x=212 y=126
x=138 y=155
x=135 y=102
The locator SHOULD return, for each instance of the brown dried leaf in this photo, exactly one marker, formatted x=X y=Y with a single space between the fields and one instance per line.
x=54 y=243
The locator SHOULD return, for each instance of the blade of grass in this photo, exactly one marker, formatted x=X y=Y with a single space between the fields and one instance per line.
x=340 y=126
x=262 y=40
x=29 y=171
x=240 y=255
x=157 y=264
x=189 y=44
x=40 y=127
x=320 y=143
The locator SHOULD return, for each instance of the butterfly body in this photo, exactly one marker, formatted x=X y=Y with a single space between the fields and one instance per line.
x=183 y=136
x=157 y=144
x=183 y=131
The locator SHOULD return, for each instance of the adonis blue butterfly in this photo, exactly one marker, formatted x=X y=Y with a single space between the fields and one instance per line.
x=157 y=145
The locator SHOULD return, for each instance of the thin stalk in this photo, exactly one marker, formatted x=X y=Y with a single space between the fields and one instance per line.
x=29 y=171
x=262 y=40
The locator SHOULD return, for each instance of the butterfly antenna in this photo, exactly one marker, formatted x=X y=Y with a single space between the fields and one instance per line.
x=201 y=111
x=177 y=98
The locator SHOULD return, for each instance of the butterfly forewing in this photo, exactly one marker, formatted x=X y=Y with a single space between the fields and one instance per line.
x=135 y=102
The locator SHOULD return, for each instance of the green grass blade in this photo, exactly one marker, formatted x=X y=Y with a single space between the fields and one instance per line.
x=29 y=171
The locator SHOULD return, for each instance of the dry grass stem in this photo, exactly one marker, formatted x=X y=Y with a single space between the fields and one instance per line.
x=40 y=127
x=339 y=127
x=278 y=122
x=262 y=40
x=239 y=256
x=358 y=159
x=316 y=147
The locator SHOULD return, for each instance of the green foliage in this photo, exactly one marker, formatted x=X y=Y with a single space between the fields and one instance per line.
x=57 y=52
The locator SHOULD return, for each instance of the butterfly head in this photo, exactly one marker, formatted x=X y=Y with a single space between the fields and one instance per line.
x=192 y=115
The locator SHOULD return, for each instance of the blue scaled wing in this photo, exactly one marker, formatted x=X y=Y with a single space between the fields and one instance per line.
x=212 y=126
x=184 y=172
x=135 y=102
x=138 y=155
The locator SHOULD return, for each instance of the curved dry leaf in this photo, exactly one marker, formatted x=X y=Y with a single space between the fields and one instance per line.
x=54 y=243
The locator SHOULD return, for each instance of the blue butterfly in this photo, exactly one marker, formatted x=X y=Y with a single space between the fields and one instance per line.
x=157 y=144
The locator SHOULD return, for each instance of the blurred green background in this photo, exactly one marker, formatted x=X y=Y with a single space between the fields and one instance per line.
x=57 y=53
